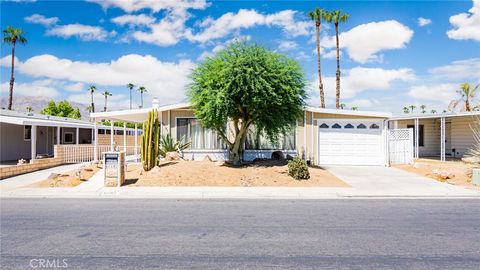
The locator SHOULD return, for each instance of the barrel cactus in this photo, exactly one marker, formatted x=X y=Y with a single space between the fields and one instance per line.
x=150 y=141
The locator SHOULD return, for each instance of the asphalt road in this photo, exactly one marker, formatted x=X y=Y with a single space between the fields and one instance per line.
x=246 y=234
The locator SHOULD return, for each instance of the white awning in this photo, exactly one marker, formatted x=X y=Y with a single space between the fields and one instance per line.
x=135 y=115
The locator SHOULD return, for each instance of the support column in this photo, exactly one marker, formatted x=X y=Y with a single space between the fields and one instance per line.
x=169 y=124
x=77 y=135
x=111 y=136
x=125 y=137
x=442 y=139
x=416 y=137
x=95 y=140
x=58 y=135
x=136 y=143
x=305 y=134
x=33 y=142
x=313 y=143
x=161 y=123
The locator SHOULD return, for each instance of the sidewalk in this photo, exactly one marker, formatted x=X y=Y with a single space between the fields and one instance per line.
x=366 y=182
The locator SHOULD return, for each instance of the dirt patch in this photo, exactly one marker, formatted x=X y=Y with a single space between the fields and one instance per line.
x=69 y=179
x=461 y=171
x=207 y=173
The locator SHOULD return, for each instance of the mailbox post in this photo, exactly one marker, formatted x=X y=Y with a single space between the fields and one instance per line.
x=114 y=168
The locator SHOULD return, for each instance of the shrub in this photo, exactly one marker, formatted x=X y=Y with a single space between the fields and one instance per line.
x=298 y=169
x=168 y=144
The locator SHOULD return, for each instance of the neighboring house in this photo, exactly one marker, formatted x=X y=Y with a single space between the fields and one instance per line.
x=323 y=136
x=455 y=130
x=28 y=135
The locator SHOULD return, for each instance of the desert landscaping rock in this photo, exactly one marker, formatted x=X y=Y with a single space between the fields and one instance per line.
x=169 y=156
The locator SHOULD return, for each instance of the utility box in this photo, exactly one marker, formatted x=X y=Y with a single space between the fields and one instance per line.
x=114 y=168
x=476 y=177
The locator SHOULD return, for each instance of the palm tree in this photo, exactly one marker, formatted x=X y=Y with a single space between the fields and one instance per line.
x=354 y=108
x=422 y=107
x=433 y=111
x=142 y=90
x=29 y=108
x=317 y=16
x=336 y=17
x=468 y=92
x=106 y=94
x=89 y=108
x=92 y=89
x=342 y=106
x=406 y=109
x=12 y=36
x=130 y=86
x=412 y=107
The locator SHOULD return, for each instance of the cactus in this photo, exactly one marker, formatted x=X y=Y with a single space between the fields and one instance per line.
x=150 y=141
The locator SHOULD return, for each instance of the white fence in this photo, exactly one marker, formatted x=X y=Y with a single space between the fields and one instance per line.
x=400 y=146
x=77 y=153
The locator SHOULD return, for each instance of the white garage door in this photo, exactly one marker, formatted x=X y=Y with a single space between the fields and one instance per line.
x=350 y=142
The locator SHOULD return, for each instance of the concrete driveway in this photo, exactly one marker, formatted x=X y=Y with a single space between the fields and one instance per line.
x=388 y=181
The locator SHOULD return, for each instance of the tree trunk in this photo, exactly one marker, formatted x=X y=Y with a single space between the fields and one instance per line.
x=236 y=150
x=130 y=98
x=141 y=97
x=12 y=78
x=320 y=83
x=105 y=108
x=337 y=94
x=93 y=104
x=467 y=105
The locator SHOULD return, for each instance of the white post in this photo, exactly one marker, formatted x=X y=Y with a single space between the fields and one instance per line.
x=58 y=135
x=416 y=137
x=313 y=143
x=77 y=135
x=161 y=123
x=95 y=140
x=125 y=137
x=169 y=124
x=111 y=135
x=136 y=144
x=442 y=139
x=33 y=142
x=305 y=134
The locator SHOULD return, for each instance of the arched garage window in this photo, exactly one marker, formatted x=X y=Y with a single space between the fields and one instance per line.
x=336 y=125
x=324 y=125
x=361 y=126
x=348 y=125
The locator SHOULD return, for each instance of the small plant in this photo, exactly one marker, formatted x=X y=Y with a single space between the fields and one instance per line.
x=298 y=169
x=167 y=144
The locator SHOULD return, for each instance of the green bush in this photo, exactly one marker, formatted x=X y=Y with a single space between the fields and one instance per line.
x=298 y=169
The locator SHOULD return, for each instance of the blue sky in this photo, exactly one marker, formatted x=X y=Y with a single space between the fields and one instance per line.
x=393 y=53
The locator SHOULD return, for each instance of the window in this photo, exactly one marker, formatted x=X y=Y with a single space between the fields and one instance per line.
x=256 y=140
x=336 y=126
x=420 y=134
x=374 y=126
x=361 y=126
x=348 y=126
x=201 y=138
x=324 y=125
x=27 y=133
x=68 y=137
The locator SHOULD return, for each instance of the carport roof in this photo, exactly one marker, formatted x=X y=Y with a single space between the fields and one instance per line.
x=433 y=116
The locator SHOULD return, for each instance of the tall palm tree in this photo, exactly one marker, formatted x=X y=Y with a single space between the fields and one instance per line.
x=92 y=90
x=130 y=86
x=317 y=16
x=354 y=108
x=342 y=106
x=433 y=111
x=468 y=92
x=12 y=36
x=29 y=108
x=106 y=94
x=336 y=17
x=406 y=109
x=142 y=90
x=412 y=107
x=423 y=107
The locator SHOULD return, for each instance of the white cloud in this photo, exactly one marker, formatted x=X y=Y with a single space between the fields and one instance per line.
x=34 y=88
x=133 y=20
x=365 y=41
x=162 y=79
x=423 y=21
x=362 y=103
x=221 y=46
x=74 y=87
x=6 y=61
x=155 y=6
x=440 y=93
x=458 y=70
x=466 y=25
x=168 y=31
x=247 y=18
x=359 y=79
x=287 y=45
x=40 y=19
x=114 y=102
x=83 y=32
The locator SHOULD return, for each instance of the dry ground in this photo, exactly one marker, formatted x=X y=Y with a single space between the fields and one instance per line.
x=69 y=179
x=207 y=173
x=426 y=167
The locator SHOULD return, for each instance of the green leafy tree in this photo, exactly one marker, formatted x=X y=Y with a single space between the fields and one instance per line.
x=336 y=17
x=317 y=16
x=92 y=90
x=142 y=90
x=62 y=109
x=106 y=94
x=29 y=108
x=130 y=86
x=247 y=85
x=13 y=36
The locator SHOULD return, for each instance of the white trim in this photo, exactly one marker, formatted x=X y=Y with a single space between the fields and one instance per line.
x=349 y=112
x=33 y=142
x=440 y=115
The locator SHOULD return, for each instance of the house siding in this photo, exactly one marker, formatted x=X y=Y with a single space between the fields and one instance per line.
x=462 y=134
x=431 y=137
